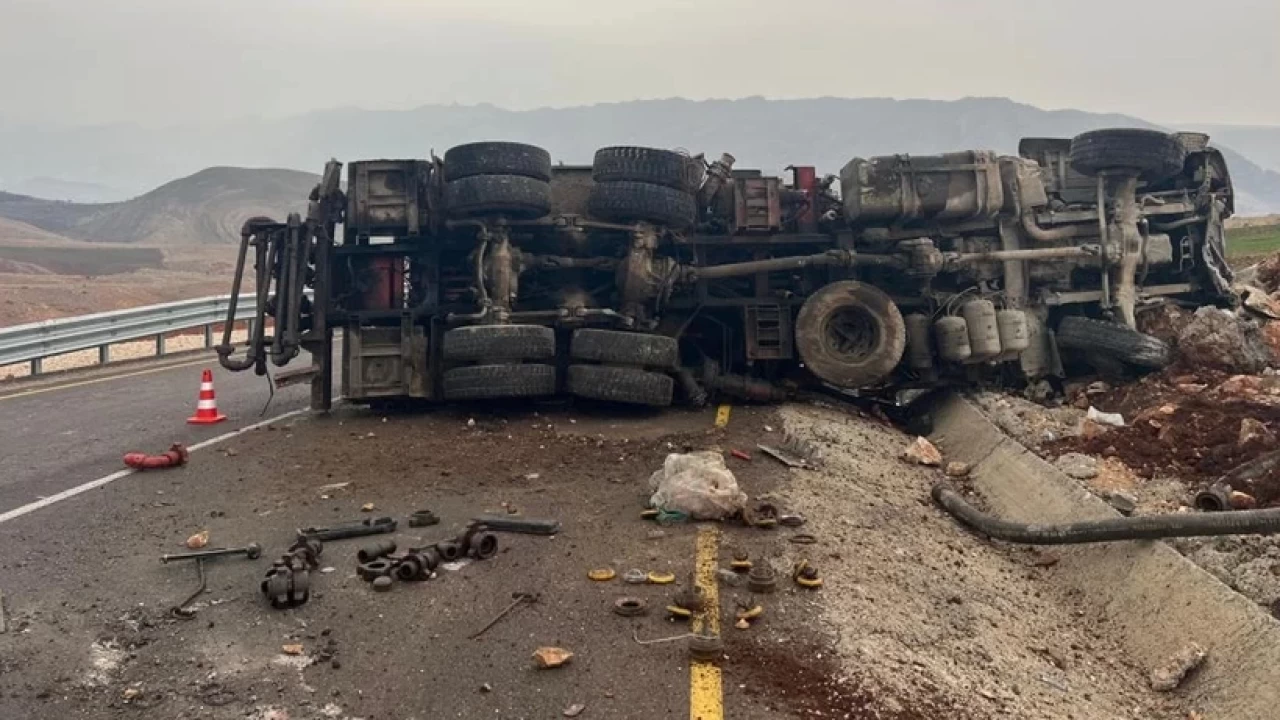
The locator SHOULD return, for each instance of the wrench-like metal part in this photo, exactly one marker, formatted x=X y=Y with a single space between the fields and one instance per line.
x=359 y=528
x=253 y=551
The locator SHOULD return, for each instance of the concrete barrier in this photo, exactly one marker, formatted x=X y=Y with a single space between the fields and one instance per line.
x=1153 y=599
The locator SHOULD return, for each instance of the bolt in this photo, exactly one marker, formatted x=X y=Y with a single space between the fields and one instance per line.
x=253 y=551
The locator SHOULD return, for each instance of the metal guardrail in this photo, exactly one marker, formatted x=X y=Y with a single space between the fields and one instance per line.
x=35 y=341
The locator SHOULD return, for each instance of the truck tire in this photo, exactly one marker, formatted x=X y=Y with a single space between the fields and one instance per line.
x=850 y=334
x=647 y=165
x=624 y=348
x=621 y=384
x=511 y=195
x=1154 y=154
x=1113 y=340
x=495 y=343
x=490 y=382
x=629 y=201
x=497 y=158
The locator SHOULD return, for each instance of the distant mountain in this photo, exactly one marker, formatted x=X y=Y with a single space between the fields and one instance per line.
x=769 y=134
x=207 y=207
x=1259 y=143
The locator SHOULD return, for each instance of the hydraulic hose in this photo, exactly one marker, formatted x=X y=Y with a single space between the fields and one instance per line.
x=1243 y=522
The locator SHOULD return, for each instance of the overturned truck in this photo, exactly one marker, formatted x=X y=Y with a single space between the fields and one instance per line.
x=653 y=277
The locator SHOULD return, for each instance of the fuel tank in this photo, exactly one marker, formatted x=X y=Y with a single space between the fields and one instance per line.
x=900 y=188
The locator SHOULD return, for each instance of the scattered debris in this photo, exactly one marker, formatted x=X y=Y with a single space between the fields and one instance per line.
x=601 y=574
x=741 y=455
x=1215 y=498
x=741 y=562
x=697 y=485
x=635 y=576
x=628 y=606
x=574 y=710
x=762 y=579
x=660 y=578
x=175 y=456
x=354 y=529
x=922 y=452
x=729 y=577
x=1104 y=418
x=382 y=584
x=292 y=649
x=957 y=469
x=749 y=613
x=199 y=540
x=423 y=518
x=1170 y=675
x=367 y=507
x=551 y=657
x=806 y=575
x=791 y=520
x=518 y=599
x=328 y=489
x=4 y=623
x=742 y=624
x=803 y=539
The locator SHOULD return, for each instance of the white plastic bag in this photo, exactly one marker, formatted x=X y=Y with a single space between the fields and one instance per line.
x=697 y=485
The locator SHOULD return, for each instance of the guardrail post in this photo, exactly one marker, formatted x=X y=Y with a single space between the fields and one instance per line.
x=37 y=366
x=159 y=344
x=104 y=354
x=208 y=336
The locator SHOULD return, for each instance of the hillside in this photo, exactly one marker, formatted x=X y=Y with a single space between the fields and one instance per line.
x=769 y=134
x=204 y=208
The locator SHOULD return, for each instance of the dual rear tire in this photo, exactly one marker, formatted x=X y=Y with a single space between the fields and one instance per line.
x=517 y=361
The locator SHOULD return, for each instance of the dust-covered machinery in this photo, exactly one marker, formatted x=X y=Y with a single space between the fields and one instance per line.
x=492 y=273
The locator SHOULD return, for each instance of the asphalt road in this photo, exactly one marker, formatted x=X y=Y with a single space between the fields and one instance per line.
x=75 y=429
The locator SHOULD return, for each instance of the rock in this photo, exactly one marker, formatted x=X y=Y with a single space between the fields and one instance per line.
x=1217 y=338
x=574 y=710
x=956 y=469
x=486 y=687
x=1271 y=338
x=1241 y=501
x=1256 y=299
x=1267 y=273
x=1163 y=322
x=551 y=657
x=1090 y=429
x=1097 y=388
x=130 y=694
x=729 y=577
x=367 y=507
x=199 y=540
x=922 y=452
x=1253 y=433
x=1170 y=675
x=1039 y=391
x=1125 y=503
x=294 y=649
x=1078 y=466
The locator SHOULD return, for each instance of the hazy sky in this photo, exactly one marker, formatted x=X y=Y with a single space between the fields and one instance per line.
x=182 y=61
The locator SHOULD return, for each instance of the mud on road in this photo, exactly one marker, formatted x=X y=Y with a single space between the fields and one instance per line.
x=917 y=619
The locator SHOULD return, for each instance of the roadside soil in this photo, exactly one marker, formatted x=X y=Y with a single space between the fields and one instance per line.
x=917 y=619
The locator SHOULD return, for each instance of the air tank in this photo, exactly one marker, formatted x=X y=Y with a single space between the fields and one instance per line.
x=953 y=338
x=1014 y=336
x=984 y=335
x=919 y=342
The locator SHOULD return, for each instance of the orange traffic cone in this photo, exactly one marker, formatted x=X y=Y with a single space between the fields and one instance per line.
x=206 y=408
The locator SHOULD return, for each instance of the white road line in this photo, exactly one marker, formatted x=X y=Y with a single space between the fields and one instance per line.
x=92 y=484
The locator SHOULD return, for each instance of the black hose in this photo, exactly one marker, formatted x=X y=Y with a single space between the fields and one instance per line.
x=1245 y=522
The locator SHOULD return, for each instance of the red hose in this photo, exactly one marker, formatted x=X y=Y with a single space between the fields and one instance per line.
x=176 y=455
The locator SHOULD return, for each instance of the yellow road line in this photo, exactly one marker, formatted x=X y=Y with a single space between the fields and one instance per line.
x=706 y=692
x=94 y=381
x=722 y=415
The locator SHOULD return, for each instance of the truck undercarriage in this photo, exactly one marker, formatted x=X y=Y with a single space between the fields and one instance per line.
x=652 y=276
